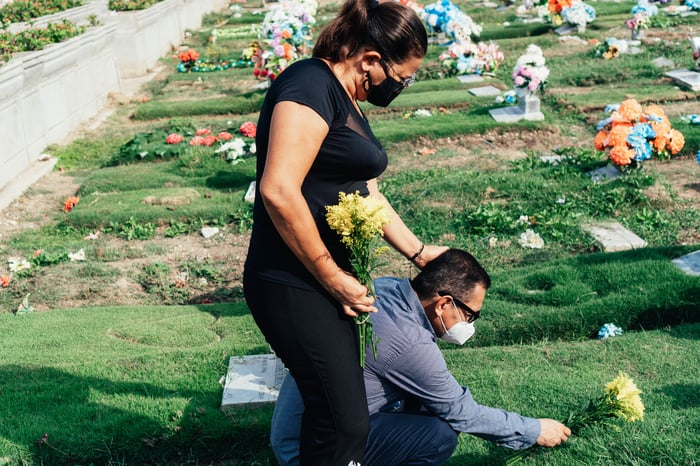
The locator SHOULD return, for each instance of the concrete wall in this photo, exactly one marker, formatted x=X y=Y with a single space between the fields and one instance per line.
x=46 y=94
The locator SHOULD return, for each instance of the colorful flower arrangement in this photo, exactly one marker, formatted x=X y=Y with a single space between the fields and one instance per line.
x=693 y=4
x=288 y=29
x=188 y=58
x=555 y=8
x=232 y=148
x=641 y=15
x=529 y=71
x=578 y=14
x=470 y=58
x=445 y=17
x=633 y=134
x=611 y=48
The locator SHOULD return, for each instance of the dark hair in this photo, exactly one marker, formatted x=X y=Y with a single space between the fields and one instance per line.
x=454 y=270
x=392 y=29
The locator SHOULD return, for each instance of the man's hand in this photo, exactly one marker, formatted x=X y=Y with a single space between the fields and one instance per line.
x=552 y=433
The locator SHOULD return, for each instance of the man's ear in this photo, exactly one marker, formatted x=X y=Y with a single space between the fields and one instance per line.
x=442 y=305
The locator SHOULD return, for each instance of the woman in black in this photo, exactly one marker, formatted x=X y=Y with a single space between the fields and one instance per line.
x=314 y=142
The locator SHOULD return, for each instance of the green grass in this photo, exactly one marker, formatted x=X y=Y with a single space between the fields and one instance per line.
x=93 y=371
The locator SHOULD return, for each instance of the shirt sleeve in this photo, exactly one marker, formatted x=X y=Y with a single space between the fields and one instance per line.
x=422 y=372
x=311 y=87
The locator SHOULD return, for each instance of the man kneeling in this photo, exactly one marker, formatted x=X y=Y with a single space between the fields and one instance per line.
x=417 y=408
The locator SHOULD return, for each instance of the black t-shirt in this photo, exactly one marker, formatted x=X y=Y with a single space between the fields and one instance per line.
x=349 y=156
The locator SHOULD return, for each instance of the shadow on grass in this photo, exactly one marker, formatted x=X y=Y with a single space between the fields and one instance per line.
x=229 y=181
x=685 y=396
x=63 y=418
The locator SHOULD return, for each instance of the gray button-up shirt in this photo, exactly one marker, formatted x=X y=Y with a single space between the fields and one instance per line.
x=410 y=365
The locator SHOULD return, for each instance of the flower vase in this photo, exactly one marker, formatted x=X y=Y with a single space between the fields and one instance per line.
x=581 y=28
x=528 y=102
x=637 y=34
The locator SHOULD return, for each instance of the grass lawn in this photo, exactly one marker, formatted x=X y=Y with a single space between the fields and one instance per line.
x=121 y=359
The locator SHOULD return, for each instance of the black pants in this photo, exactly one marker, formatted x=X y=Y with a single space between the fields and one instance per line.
x=318 y=344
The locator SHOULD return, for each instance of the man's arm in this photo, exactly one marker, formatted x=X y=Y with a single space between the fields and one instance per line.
x=422 y=373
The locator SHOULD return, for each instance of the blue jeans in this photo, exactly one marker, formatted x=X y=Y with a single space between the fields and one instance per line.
x=405 y=439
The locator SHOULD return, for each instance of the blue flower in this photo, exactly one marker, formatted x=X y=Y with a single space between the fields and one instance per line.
x=654 y=118
x=697 y=158
x=609 y=330
x=603 y=124
x=611 y=108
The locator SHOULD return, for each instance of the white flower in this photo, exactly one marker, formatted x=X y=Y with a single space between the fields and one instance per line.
x=523 y=219
x=93 y=236
x=77 y=256
x=421 y=112
x=531 y=240
x=15 y=264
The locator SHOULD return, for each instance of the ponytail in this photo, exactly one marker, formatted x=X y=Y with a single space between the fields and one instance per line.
x=392 y=29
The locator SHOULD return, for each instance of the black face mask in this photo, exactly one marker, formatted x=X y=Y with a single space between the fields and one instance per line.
x=383 y=93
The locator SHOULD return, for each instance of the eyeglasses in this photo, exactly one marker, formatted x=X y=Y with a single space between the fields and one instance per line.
x=471 y=315
x=405 y=82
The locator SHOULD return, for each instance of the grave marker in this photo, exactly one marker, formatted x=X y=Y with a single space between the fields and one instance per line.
x=252 y=380
x=470 y=78
x=685 y=78
x=690 y=263
x=614 y=237
x=484 y=91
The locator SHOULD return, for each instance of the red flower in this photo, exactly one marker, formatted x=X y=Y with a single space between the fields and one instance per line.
x=197 y=141
x=5 y=281
x=70 y=203
x=173 y=138
x=248 y=129
x=225 y=136
x=202 y=132
x=209 y=140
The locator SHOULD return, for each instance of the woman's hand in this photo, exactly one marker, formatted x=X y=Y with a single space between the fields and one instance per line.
x=353 y=296
x=430 y=252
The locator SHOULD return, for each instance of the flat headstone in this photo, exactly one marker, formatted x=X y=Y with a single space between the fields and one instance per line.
x=513 y=114
x=488 y=4
x=614 y=237
x=662 y=62
x=252 y=380
x=690 y=263
x=688 y=13
x=485 y=91
x=634 y=50
x=608 y=172
x=685 y=78
x=470 y=78
x=566 y=29
x=536 y=19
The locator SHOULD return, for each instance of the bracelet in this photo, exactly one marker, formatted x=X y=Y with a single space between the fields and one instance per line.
x=417 y=255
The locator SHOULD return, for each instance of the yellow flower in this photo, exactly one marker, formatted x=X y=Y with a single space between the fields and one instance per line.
x=357 y=218
x=626 y=394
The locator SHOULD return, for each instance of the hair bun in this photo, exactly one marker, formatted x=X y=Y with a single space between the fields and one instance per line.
x=372 y=4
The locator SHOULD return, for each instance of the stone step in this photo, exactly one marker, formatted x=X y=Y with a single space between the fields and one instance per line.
x=690 y=263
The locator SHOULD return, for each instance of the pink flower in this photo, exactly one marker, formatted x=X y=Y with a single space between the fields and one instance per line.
x=209 y=140
x=519 y=80
x=197 y=141
x=202 y=132
x=225 y=136
x=248 y=129
x=173 y=138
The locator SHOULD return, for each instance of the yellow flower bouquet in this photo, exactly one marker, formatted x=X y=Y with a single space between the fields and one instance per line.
x=620 y=400
x=359 y=221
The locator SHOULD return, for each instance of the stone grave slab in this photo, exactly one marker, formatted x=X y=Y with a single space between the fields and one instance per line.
x=608 y=172
x=252 y=380
x=470 y=78
x=566 y=29
x=485 y=91
x=513 y=114
x=536 y=19
x=554 y=159
x=662 y=62
x=685 y=78
x=250 y=193
x=690 y=263
x=614 y=237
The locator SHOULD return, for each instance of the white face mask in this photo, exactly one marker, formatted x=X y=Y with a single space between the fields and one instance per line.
x=459 y=333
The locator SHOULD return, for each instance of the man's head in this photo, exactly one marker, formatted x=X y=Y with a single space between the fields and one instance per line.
x=452 y=288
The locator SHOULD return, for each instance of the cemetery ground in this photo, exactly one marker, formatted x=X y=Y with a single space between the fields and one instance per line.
x=120 y=359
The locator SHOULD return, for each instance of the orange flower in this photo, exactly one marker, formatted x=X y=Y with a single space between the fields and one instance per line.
x=676 y=141
x=286 y=34
x=659 y=143
x=630 y=110
x=621 y=155
x=555 y=6
x=5 y=281
x=655 y=110
x=662 y=128
x=288 y=51
x=70 y=203
x=618 y=135
x=600 y=140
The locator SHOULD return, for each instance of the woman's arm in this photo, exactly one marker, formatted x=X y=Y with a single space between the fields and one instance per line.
x=296 y=134
x=401 y=238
